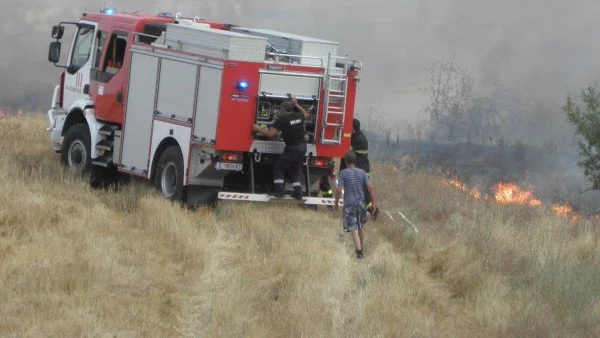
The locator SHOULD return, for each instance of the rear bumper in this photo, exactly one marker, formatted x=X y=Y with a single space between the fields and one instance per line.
x=265 y=198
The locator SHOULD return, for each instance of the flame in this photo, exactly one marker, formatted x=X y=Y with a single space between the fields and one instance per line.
x=504 y=193
x=509 y=193
x=566 y=211
x=20 y=112
x=563 y=209
x=462 y=187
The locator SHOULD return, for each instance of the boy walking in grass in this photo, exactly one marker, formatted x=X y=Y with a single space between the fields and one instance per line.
x=360 y=145
x=354 y=182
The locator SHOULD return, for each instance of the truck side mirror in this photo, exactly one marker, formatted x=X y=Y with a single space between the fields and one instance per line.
x=54 y=52
x=58 y=31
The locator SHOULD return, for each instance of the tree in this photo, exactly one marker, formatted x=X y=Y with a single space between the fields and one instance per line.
x=586 y=118
x=456 y=112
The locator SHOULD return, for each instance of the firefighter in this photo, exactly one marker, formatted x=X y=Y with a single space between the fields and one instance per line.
x=356 y=186
x=325 y=187
x=291 y=125
x=360 y=145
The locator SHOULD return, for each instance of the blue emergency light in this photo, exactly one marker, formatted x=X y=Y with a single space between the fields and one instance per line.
x=242 y=85
x=110 y=11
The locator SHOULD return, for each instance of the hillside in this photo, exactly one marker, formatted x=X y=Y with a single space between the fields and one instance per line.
x=76 y=261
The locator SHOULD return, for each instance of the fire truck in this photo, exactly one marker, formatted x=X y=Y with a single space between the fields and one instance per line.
x=173 y=99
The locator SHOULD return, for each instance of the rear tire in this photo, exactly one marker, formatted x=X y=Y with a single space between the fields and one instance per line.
x=202 y=196
x=76 y=152
x=168 y=178
x=102 y=177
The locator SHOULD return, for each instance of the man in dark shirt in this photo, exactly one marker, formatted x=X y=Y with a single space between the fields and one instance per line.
x=291 y=125
x=360 y=146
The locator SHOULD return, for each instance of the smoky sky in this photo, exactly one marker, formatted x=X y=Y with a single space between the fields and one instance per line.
x=542 y=49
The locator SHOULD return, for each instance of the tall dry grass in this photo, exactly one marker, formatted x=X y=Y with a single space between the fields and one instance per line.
x=76 y=261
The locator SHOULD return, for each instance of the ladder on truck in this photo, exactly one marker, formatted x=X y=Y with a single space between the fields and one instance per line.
x=336 y=86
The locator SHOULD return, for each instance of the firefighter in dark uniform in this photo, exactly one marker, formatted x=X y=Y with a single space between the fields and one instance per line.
x=291 y=125
x=325 y=187
x=360 y=146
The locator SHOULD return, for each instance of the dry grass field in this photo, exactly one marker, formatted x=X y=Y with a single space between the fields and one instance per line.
x=81 y=262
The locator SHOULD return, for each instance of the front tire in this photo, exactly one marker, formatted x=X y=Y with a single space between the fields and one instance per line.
x=76 y=150
x=169 y=174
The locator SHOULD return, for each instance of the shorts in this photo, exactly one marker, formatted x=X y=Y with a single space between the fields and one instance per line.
x=355 y=217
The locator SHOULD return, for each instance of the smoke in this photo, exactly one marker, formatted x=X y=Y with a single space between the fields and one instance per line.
x=537 y=50
x=542 y=49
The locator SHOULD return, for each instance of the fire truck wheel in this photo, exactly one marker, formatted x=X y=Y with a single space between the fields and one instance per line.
x=76 y=154
x=169 y=173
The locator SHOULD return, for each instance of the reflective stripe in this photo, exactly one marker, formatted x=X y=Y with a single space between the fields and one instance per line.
x=327 y=193
x=296 y=184
x=362 y=152
x=278 y=181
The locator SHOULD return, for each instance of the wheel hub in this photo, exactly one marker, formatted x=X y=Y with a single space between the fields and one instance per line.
x=168 y=179
x=77 y=156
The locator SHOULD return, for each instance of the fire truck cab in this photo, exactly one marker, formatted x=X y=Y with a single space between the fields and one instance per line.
x=173 y=100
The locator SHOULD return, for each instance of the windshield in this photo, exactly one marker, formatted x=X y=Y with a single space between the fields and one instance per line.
x=82 y=48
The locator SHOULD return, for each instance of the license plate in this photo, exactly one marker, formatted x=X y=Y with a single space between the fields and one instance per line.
x=228 y=166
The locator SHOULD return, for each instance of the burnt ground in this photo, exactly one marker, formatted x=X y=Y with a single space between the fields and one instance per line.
x=552 y=176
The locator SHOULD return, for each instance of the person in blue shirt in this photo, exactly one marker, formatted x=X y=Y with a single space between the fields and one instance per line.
x=354 y=182
x=360 y=145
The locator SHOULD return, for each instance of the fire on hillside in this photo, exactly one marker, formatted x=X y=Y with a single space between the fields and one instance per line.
x=510 y=193
x=463 y=187
x=5 y=112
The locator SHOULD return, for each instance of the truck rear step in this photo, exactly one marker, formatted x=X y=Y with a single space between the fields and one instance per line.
x=264 y=198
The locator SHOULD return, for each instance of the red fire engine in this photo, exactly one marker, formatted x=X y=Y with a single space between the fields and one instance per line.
x=173 y=100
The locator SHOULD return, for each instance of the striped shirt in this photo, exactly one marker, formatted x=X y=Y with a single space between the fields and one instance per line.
x=354 y=181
